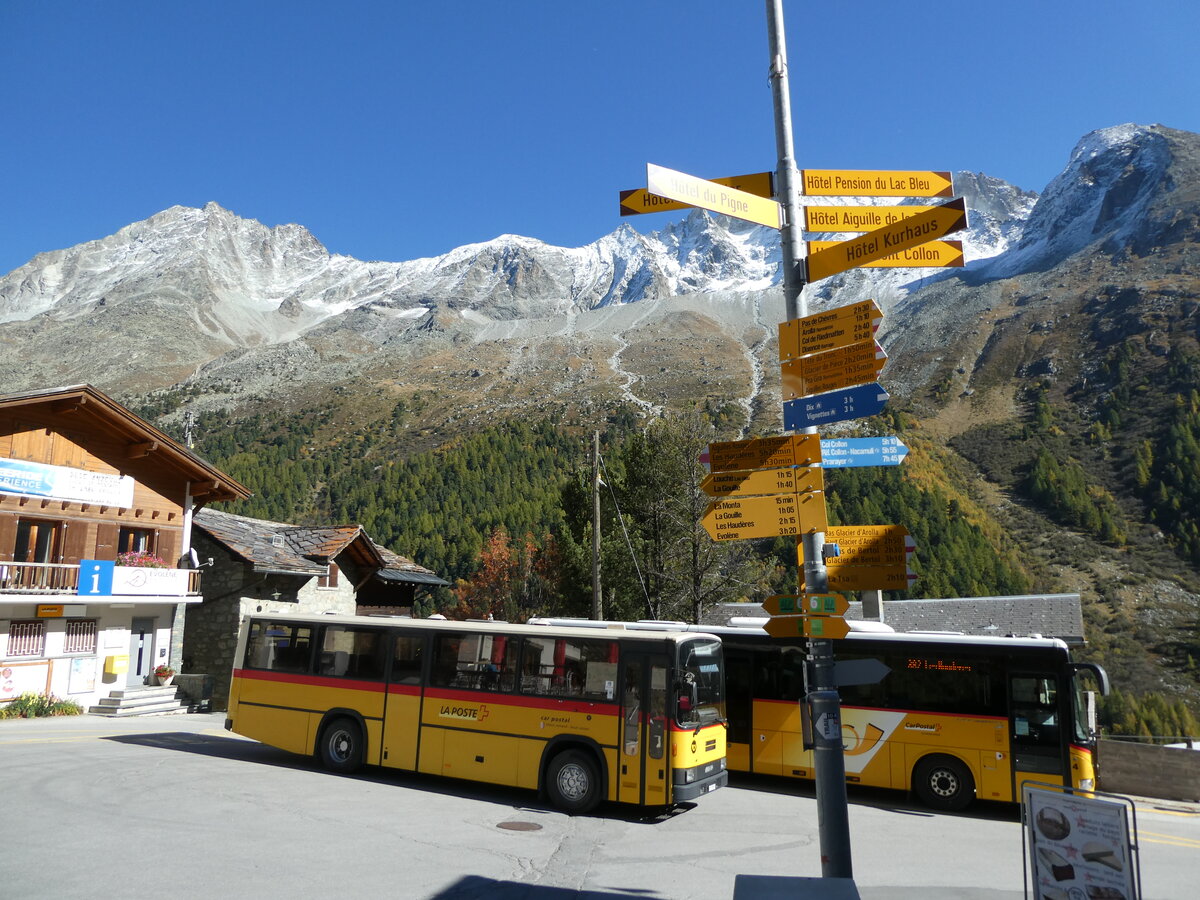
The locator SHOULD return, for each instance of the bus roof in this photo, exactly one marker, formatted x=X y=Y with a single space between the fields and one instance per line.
x=752 y=627
x=610 y=629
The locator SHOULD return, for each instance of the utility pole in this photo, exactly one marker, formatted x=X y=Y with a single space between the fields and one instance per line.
x=597 y=611
x=824 y=703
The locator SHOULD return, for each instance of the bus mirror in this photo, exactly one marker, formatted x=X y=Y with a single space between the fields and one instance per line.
x=688 y=698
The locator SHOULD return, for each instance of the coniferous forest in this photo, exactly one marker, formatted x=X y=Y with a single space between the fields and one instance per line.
x=505 y=512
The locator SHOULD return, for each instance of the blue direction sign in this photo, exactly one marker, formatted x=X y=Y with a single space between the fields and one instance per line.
x=846 y=453
x=835 y=406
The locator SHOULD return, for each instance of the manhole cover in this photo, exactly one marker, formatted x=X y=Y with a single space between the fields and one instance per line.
x=520 y=826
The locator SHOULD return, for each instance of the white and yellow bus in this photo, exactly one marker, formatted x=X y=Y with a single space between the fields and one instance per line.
x=956 y=718
x=581 y=716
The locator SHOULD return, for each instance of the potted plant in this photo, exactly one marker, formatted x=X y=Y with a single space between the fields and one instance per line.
x=141 y=559
x=164 y=673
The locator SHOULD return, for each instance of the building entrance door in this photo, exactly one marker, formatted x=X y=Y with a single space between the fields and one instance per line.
x=141 y=651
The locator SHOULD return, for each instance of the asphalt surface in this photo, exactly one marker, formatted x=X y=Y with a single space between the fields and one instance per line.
x=176 y=807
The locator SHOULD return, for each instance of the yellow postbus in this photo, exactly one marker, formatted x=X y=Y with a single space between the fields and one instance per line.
x=580 y=716
x=956 y=717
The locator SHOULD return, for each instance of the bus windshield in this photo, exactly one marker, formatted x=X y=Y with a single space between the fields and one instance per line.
x=700 y=691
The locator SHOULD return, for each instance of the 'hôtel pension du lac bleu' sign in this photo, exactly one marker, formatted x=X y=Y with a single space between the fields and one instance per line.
x=30 y=479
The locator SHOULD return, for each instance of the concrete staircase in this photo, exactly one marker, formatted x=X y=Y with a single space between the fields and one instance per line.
x=141 y=701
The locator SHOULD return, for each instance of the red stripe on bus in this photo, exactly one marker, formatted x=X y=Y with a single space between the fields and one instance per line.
x=408 y=690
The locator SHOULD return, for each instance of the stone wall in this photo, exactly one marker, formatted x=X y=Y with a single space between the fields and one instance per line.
x=1145 y=770
x=232 y=590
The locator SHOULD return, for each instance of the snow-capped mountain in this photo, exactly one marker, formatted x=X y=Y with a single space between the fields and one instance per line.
x=191 y=292
x=256 y=284
x=1117 y=182
x=249 y=284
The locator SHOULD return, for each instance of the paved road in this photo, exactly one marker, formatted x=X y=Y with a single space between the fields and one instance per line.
x=176 y=807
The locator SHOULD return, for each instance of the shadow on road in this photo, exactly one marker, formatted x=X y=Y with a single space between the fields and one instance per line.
x=897 y=802
x=471 y=887
x=240 y=749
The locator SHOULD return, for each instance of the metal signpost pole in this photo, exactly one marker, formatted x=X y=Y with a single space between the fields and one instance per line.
x=832 y=812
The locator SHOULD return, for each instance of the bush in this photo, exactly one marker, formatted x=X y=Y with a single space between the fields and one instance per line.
x=33 y=706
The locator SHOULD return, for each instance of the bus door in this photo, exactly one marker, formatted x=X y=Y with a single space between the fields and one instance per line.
x=739 y=705
x=1036 y=727
x=645 y=732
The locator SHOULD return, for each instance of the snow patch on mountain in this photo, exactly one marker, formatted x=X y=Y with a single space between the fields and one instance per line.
x=1103 y=194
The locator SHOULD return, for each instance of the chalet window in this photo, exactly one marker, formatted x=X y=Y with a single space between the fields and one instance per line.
x=330 y=580
x=80 y=637
x=37 y=541
x=136 y=540
x=26 y=639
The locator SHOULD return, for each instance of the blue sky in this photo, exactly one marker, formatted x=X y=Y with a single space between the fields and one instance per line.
x=396 y=130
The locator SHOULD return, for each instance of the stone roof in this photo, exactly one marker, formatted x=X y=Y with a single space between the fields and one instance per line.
x=302 y=550
x=279 y=547
x=1050 y=615
x=401 y=568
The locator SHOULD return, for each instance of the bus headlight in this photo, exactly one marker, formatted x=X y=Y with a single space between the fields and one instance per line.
x=689 y=776
x=1087 y=784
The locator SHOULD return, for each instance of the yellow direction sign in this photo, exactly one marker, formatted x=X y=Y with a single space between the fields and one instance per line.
x=829 y=330
x=860 y=183
x=710 y=195
x=857 y=218
x=636 y=202
x=869 y=545
x=819 y=627
x=825 y=628
x=782 y=605
x=833 y=370
x=888 y=240
x=806 y=604
x=825 y=604
x=792 y=480
x=869 y=578
x=765 y=453
x=933 y=255
x=741 y=519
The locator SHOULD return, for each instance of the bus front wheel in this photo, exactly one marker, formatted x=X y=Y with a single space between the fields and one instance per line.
x=942 y=782
x=341 y=746
x=573 y=782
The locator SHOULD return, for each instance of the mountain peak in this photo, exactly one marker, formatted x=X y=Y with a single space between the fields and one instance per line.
x=1103 y=196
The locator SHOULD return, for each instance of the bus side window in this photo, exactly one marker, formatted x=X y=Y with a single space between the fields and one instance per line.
x=445 y=660
x=352 y=652
x=1035 y=708
x=406 y=659
x=279 y=647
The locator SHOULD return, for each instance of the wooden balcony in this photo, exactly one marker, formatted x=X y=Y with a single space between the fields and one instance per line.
x=56 y=578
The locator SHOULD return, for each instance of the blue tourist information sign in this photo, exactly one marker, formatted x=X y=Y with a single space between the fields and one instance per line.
x=845 y=453
x=835 y=406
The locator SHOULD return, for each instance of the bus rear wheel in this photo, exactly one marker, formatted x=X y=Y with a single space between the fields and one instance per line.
x=942 y=782
x=341 y=746
x=573 y=782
